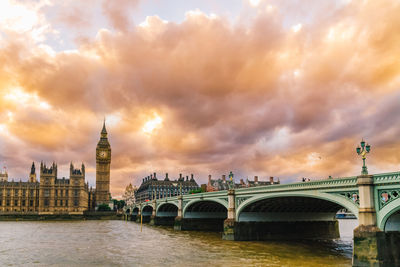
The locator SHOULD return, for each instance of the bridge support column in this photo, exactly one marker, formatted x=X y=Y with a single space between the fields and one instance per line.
x=153 y=217
x=178 y=219
x=229 y=223
x=368 y=238
x=139 y=215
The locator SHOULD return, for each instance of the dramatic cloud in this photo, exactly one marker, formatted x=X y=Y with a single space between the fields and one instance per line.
x=276 y=92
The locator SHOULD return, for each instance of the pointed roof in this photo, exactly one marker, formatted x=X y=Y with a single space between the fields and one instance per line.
x=33 y=168
x=104 y=131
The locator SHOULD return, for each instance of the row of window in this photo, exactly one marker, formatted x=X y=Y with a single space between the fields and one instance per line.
x=16 y=202
x=23 y=210
x=32 y=191
x=62 y=193
x=46 y=202
x=16 y=192
x=60 y=203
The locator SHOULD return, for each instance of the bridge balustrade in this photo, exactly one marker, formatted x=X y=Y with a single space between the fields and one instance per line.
x=297 y=210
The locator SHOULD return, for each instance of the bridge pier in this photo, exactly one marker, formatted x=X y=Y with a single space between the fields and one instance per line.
x=178 y=219
x=153 y=213
x=369 y=240
x=139 y=214
x=229 y=223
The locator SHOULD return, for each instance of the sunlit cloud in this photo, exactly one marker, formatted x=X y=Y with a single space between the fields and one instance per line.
x=21 y=98
x=254 y=3
x=271 y=90
x=297 y=27
x=152 y=124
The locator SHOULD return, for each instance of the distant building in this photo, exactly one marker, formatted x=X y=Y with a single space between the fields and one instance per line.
x=130 y=195
x=223 y=184
x=152 y=188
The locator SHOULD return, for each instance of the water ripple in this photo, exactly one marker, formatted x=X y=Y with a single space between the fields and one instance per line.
x=120 y=243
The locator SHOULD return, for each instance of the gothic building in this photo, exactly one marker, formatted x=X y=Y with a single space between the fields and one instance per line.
x=53 y=195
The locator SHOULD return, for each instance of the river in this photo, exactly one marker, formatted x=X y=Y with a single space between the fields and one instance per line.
x=121 y=243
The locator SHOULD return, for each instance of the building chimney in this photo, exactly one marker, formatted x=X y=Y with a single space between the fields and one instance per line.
x=256 y=179
x=271 y=180
x=241 y=182
x=180 y=176
x=191 y=176
x=209 y=177
x=223 y=178
x=151 y=176
x=155 y=176
x=187 y=177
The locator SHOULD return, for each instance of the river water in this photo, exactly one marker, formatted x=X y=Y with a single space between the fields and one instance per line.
x=121 y=243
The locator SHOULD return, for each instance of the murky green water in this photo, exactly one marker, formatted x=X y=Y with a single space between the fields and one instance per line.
x=120 y=243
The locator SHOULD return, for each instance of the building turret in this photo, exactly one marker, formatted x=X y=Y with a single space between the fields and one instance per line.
x=83 y=169
x=32 y=174
x=77 y=176
x=4 y=175
x=48 y=175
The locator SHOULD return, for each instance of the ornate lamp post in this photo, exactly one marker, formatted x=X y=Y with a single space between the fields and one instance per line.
x=231 y=184
x=362 y=151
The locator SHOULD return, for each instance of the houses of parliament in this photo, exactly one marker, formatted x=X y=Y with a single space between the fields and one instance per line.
x=53 y=195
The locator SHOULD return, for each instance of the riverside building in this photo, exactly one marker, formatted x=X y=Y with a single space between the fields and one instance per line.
x=53 y=195
x=223 y=183
x=152 y=188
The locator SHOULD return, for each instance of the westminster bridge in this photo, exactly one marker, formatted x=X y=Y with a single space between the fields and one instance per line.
x=298 y=210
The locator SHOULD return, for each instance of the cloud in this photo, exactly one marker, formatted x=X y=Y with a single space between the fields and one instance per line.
x=256 y=98
x=117 y=11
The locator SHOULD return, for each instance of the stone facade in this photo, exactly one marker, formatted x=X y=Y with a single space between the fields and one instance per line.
x=223 y=183
x=49 y=196
x=152 y=188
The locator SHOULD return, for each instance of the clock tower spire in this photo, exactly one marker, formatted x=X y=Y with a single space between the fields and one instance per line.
x=103 y=161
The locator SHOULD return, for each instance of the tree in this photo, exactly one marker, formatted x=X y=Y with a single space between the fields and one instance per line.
x=118 y=204
x=103 y=207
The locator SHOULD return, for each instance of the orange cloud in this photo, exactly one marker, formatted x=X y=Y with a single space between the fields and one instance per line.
x=256 y=98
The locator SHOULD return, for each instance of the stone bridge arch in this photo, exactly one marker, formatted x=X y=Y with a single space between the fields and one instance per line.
x=384 y=214
x=216 y=200
x=204 y=214
x=146 y=204
x=166 y=204
x=334 y=198
x=290 y=215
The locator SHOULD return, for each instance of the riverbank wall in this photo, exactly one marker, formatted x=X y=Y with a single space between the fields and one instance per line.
x=91 y=215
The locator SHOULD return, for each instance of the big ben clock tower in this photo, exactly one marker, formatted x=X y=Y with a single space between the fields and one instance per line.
x=103 y=161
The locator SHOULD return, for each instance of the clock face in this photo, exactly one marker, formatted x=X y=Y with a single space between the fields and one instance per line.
x=103 y=154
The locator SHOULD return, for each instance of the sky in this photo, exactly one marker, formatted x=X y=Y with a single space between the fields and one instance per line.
x=258 y=87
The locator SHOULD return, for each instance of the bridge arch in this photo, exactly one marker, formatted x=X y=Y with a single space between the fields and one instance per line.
x=135 y=210
x=339 y=200
x=217 y=201
x=147 y=204
x=204 y=215
x=386 y=212
x=167 y=206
